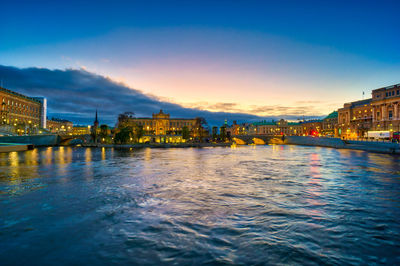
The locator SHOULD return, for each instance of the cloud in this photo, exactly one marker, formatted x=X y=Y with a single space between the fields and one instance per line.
x=75 y=94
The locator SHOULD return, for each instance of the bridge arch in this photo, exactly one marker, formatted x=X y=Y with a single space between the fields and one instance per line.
x=239 y=141
x=259 y=141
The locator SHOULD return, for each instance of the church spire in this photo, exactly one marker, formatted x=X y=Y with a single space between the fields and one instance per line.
x=96 y=120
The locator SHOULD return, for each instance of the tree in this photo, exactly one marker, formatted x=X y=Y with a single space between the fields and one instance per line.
x=185 y=132
x=124 y=118
x=201 y=128
x=103 y=131
x=139 y=132
x=222 y=133
x=214 y=132
x=124 y=135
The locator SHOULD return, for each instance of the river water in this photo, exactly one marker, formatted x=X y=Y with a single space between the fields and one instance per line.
x=246 y=205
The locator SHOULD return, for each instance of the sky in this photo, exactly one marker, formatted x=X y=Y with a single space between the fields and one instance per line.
x=253 y=59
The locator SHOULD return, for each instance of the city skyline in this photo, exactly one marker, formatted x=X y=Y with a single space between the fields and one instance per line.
x=242 y=60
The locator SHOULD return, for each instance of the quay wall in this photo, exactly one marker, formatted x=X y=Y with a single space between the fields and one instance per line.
x=380 y=147
x=36 y=140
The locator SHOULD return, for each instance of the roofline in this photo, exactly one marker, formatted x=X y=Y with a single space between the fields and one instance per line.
x=20 y=95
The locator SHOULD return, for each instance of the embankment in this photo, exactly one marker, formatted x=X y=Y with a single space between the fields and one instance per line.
x=380 y=147
x=36 y=140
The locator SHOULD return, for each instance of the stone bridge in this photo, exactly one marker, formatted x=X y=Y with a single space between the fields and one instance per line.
x=257 y=139
x=66 y=139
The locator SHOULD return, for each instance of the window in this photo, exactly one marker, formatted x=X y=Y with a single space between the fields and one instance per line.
x=398 y=92
x=390 y=114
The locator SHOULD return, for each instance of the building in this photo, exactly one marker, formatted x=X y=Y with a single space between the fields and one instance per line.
x=385 y=109
x=312 y=127
x=355 y=119
x=281 y=127
x=162 y=128
x=81 y=130
x=329 y=124
x=43 y=111
x=19 y=113
x=55 y=125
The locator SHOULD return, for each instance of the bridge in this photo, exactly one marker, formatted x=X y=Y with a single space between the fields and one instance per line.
x=257 y=139
x=66 y=139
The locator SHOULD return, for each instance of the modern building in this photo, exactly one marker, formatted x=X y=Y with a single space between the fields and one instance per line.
x=161 y=127
x=43 y=111
x=62 y=126
x=20 y=113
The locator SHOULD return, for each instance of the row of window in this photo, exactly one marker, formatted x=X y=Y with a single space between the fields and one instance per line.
x=24 y=106
x=171 y=124
x=392 y=93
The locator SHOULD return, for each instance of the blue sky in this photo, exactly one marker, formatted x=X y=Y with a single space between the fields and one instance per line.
x=264 y=58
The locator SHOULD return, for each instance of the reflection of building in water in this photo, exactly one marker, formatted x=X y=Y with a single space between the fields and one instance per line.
x=161 y=127
x=21 y=114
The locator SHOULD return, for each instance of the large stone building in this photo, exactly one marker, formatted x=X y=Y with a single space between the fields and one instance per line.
x=162 y=128
x=385 y=108
x=20 y=113
x=379 y=113
x=355 y=119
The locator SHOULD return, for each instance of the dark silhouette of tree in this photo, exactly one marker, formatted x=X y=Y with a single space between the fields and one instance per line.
x=124 y=135
x=185 y=132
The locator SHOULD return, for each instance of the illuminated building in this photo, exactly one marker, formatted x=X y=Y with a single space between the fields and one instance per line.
x=329 y=124
x=81 y=130
x=19 y=113
x=355 y=119
x=162 y=128
x=281 y=127
x=55 y=125
x=385 y=108
x=312 y=127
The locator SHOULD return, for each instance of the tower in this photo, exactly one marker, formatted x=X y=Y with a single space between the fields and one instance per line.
x=96 y=121
x=94 y=128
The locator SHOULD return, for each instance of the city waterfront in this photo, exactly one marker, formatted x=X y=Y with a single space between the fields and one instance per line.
x=275 y=204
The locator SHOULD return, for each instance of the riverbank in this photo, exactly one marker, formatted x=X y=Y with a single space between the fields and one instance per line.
x=36 y=140
x=11 y=147
x=337 y=143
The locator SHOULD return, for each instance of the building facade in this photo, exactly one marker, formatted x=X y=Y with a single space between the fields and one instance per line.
x=62 y=126
x=385 y=109
x=355 y=119
x=281 y=127
x=329 y=124
x=81 y=130
x=162 y=128
x=21 y=112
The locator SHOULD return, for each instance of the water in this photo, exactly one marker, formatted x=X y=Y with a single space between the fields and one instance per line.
x=249 y=205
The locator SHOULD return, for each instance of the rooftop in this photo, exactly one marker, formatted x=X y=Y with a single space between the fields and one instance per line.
x=19 y=95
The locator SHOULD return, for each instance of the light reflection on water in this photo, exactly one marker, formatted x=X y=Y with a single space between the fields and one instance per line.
x=258 y=204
